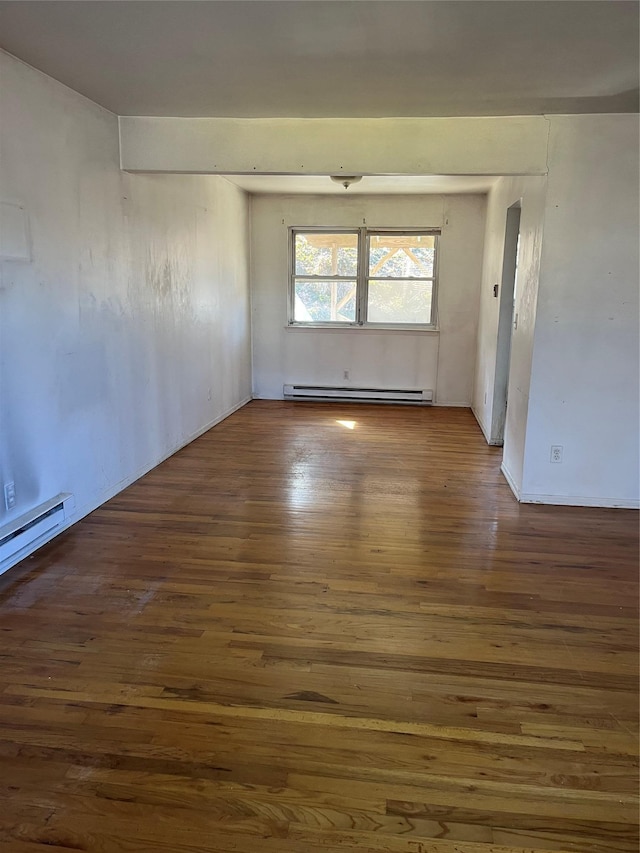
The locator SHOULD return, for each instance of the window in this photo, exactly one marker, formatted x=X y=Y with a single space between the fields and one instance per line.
x=363 y=277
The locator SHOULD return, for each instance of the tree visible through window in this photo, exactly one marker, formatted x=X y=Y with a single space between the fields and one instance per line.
x=363 y=277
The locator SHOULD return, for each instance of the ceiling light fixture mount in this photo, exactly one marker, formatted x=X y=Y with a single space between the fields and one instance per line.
x=346 y=180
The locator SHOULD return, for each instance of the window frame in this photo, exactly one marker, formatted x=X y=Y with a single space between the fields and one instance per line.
x=362 y=279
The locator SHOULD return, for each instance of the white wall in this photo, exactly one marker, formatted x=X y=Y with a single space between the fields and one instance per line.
x=440 y=361
x=574 y=370
x=584 y=383
x=530 y=192
x=127 y=333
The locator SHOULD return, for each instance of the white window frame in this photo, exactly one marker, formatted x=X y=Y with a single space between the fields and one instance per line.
x=362 y=278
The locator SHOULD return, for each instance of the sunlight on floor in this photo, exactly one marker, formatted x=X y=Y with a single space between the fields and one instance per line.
x=347 y=424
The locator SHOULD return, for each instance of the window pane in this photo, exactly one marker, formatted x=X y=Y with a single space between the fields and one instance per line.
x=399 y=301
x=325 y=301
x=326 y=254
x=402 y=255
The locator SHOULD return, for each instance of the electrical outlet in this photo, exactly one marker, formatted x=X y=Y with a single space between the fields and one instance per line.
x=10 y=495
x=345 y=374
x=556 y=453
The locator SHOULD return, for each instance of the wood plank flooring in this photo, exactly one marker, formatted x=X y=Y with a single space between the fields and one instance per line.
x=296 y=636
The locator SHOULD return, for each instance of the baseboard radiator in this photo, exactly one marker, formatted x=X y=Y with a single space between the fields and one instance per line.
x=19 y=536
x=405 y=396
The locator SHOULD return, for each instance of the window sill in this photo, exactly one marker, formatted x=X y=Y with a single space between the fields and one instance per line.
x=384 y=330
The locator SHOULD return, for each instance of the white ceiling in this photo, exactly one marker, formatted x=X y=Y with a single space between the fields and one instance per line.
x=322 y=58
x=369 y=185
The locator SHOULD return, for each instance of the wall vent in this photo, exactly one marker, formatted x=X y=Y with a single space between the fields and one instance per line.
x=406 y=396
x=22 y=535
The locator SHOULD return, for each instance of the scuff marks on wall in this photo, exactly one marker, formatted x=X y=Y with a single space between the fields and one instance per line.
x=112 y=339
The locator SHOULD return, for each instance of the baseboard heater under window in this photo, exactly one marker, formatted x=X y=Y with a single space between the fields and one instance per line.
x=19 y=536
x=406 y=396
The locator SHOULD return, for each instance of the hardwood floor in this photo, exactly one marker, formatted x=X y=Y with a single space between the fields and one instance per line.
x=295 y=636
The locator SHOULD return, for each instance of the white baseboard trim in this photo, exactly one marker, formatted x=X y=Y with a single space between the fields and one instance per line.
x=481 y=425
x=567 y=500
x=80 y=512
x=490 y=441
x=510 y=481
x=452 y=405
x=572 y=500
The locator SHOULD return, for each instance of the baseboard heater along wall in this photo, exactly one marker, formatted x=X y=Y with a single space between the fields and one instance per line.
x=407 y=396
x=19 y=536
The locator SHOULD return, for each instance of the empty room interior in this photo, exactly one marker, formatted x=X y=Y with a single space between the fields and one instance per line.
x=319 y=426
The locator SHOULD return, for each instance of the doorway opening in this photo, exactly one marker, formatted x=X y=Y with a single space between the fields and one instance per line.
x=507 y=321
